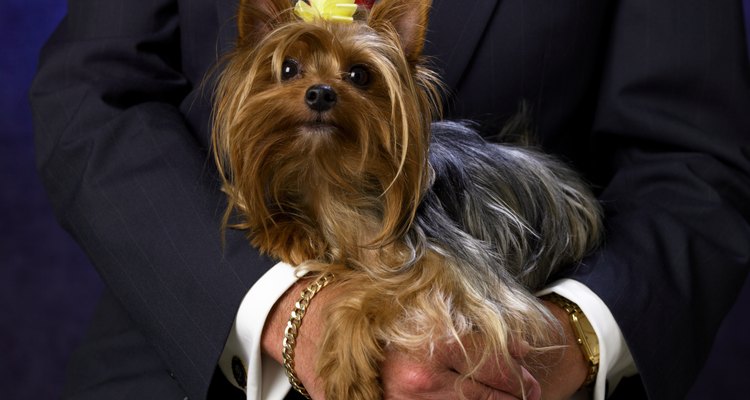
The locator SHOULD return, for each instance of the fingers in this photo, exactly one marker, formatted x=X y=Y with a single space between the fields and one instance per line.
x=406 y=377
x=507 y=376
x=495 y=372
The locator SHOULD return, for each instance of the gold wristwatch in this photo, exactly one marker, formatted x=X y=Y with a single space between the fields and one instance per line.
x=585 y=335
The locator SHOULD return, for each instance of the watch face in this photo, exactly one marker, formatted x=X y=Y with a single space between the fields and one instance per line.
x=581 y=325
x=591 y=340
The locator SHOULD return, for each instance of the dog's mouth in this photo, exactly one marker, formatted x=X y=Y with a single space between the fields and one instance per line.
x=319 y=127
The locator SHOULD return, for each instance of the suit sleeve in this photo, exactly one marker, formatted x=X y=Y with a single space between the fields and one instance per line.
x=134 y=184
x=674 y=126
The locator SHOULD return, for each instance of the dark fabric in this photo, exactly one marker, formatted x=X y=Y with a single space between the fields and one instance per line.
x=130 y=177
x=115 y=347
x=630 y=388
x=647 y=98
x=221 y=388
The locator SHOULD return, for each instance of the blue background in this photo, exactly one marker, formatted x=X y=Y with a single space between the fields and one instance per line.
x=48 y=289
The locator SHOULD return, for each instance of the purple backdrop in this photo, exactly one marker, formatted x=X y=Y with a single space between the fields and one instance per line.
x=47 y=287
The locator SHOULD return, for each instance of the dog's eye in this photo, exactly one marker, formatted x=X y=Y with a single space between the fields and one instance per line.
x=359 y=75
x=289 y=69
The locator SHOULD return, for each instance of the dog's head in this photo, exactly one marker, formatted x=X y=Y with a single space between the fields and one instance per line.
x=322 y=123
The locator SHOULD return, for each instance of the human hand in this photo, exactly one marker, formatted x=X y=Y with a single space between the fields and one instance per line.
x=403 y=376
x=558 y=374
x=440 y=376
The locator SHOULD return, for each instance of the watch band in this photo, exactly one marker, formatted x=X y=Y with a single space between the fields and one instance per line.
x=585 y=334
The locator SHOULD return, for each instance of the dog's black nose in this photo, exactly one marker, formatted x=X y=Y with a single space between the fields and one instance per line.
x=320 y=98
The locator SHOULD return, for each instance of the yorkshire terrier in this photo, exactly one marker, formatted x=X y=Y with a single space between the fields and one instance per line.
x=324 y=134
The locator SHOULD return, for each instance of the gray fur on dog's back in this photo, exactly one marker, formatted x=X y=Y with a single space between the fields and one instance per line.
x=510 y=209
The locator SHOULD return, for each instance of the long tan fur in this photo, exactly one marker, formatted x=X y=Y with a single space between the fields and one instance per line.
x=341 y=193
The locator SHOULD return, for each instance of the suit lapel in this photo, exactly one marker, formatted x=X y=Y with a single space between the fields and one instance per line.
x=455 y=30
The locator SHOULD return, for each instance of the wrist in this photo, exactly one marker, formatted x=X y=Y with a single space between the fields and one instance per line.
x=570 y=366
x=579 y=334
x=273 y=331
x=293 y=328
x=299 y=360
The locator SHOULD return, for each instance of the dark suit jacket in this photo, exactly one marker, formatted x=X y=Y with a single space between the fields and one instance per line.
x=649 y=98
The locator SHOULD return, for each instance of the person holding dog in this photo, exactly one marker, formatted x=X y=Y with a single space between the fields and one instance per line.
x=646 y=98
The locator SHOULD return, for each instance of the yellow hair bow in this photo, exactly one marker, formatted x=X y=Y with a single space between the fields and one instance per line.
x=332 y=10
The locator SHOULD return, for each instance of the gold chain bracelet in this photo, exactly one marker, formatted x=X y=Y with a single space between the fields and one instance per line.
x=292 y=329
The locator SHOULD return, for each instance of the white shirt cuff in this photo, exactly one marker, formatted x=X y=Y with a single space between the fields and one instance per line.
x=265 y=378
x=615 y=360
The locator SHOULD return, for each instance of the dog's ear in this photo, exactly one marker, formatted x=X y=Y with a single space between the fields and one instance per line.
x=408 y=18
x=256 y=18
